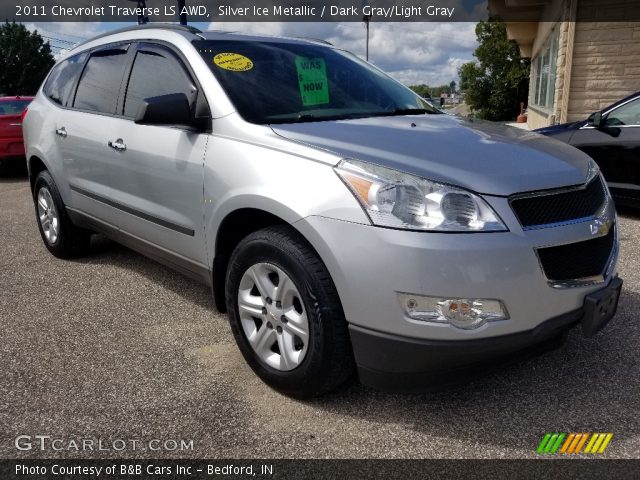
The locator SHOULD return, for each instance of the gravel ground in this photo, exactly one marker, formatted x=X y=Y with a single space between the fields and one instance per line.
x=115 y=346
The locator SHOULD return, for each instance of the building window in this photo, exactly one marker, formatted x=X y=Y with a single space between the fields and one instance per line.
x=544 y=73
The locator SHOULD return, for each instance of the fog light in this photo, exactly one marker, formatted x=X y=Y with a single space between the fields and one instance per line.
x=466 y=313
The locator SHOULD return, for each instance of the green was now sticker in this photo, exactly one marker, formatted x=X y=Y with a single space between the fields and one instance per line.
x=312 y=79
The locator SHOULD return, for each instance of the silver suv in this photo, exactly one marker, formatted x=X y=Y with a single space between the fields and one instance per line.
x=342 y=222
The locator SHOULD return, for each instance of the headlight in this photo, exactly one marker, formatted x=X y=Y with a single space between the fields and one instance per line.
x=398 y=200
x=593 y=170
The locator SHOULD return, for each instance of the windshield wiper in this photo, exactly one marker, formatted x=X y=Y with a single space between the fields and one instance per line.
x=399 y=112
x=306 y=117
x=310 y=117
x=407 y=111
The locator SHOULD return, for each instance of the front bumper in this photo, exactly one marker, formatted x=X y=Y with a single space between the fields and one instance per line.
x=370 y=266
x=393 y=363
x=399 y=364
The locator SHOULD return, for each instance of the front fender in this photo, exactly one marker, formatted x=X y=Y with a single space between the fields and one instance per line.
x=241 y=175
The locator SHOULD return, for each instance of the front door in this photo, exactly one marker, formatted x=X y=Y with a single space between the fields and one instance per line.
x=157 y=172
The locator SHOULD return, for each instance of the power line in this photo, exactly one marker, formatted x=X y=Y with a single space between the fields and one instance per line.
x=59 y=40
x=82 y=39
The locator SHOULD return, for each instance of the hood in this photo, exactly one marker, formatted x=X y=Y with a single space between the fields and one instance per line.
x=481 y=156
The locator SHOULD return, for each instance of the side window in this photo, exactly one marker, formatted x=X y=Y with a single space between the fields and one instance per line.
x=628 y=114
x=100 y=82
x=62 y=79
x=155 y=73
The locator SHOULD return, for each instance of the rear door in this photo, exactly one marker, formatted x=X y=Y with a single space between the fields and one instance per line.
x=157 y=173
x=83 y=131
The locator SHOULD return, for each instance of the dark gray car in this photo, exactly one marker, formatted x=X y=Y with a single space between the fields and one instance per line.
x=612 y=138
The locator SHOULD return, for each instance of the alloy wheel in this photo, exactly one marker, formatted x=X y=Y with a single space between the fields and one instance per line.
x=48 y=216
x=273 y=316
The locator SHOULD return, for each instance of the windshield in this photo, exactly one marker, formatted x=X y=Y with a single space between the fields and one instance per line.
x=279 y=82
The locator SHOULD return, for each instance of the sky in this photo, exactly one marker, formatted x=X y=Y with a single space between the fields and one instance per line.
x=413 y=53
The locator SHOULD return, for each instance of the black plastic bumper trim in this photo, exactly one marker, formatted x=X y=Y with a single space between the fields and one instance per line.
x=391 y=362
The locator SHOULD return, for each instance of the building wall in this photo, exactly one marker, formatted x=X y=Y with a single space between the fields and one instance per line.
x=597 y=64
x=563 y=72
x=537 y=119
x=606 y=63
x=538 y=116
x=561 y=11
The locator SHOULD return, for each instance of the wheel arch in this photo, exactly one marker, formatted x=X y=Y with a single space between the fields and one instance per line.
x=35 y=165
x=235 y=226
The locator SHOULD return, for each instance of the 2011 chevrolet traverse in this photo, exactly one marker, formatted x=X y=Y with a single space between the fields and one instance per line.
x=342 y=223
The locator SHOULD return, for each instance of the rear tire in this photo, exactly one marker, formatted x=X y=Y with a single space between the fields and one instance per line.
x=290 y=328
x=61 y=237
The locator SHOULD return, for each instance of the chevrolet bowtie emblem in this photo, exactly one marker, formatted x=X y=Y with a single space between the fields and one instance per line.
x=600 y=227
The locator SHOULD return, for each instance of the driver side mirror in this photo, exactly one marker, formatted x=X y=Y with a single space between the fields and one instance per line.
x=595 y=119
x=171 y=109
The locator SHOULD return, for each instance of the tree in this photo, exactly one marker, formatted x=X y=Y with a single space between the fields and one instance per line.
x=422 y=90
x=498 y=81
x=427 y=91
x=452 y=86
x=25 y=59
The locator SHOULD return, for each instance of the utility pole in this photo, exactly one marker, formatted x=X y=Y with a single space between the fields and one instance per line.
x=366 y=19
x=183 y=14
x=142 y=4
x=366 y=22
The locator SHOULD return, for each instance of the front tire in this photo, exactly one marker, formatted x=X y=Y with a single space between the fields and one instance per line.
x=61 y=237
x=286 y=315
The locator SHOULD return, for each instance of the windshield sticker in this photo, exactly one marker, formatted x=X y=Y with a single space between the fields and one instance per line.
x=312 y=78
x=233 y=62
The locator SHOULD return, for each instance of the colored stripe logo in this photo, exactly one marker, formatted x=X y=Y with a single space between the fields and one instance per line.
x=572 y=443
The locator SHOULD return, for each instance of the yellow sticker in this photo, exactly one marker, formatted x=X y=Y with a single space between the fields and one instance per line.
x=233 y=61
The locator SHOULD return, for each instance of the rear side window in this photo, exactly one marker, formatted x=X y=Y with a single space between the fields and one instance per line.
x=155 y=72
x=100 y=82
x=63 y=77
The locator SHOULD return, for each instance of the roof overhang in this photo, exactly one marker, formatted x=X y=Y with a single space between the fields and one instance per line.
x=521 y=18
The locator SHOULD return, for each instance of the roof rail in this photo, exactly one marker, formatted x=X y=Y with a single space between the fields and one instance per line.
x=318 y=40
x=164 y=26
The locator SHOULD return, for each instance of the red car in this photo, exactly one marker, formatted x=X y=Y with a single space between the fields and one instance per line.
x=11 y=112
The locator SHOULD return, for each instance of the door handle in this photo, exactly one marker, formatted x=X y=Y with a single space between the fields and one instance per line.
x=62 y=132
x=15 y=124
x=118 y=145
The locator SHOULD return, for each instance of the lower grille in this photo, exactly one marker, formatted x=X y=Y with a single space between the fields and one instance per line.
x=577 y=260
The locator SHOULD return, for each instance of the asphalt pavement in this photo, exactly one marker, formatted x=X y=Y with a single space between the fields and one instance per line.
x=116 y=347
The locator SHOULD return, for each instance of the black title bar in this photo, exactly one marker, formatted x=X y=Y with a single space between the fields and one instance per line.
x=317 y=469
x=313 y=11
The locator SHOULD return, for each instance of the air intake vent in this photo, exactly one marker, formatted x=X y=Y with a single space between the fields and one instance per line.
x=561 y=206
x=577 y=261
